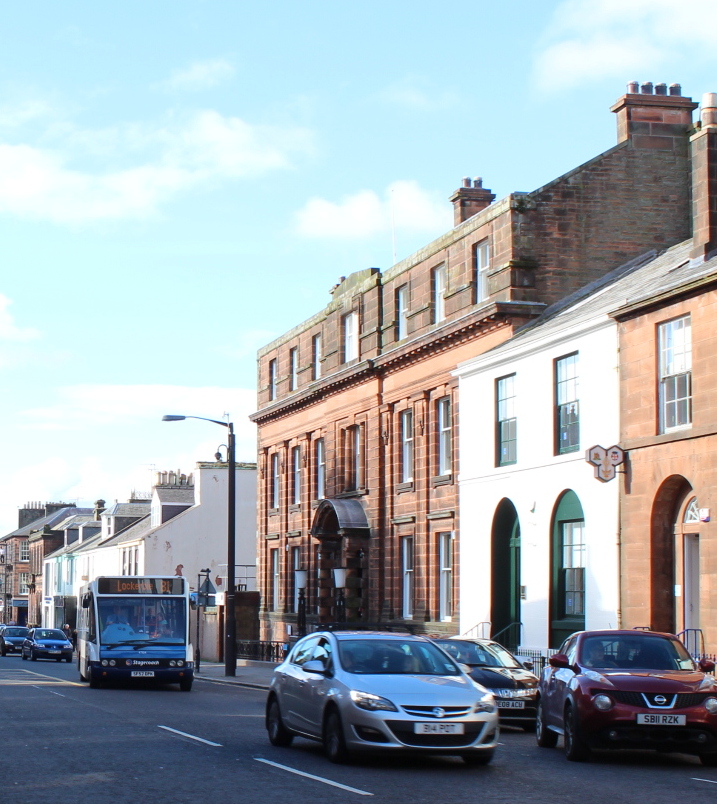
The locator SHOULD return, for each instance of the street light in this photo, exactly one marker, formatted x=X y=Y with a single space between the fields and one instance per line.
x=340 y=584
x=301 y=577
x=230 y=636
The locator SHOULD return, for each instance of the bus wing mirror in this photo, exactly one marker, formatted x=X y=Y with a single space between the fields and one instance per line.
x=86 y=602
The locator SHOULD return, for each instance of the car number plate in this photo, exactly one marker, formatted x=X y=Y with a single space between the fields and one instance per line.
x=438 y=728
x=662 y=720
x=142 y=674
x=54 y=651
x=511 y=704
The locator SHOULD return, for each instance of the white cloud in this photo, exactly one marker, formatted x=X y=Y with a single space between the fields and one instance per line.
x=199 y=75
x=9 y=331
x=404 y=204
x=206 y=147
x=589 y=40
x=14 y=115
x=419 y=95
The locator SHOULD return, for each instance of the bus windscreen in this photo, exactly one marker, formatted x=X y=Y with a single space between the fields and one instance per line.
x=142 y=620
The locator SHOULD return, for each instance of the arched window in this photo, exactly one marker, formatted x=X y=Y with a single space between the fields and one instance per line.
x=568 y=603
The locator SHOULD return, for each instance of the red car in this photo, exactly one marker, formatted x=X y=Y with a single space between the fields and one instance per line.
x=627 y=689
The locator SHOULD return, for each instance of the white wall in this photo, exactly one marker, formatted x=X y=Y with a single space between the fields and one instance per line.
x=535 y=483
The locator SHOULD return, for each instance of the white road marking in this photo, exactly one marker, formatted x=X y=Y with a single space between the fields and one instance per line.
x=52 y=691
x=191 y=736
x=316 y=778
x=711 y=781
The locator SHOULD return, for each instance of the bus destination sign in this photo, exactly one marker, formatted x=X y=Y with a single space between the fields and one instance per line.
x=128 y=585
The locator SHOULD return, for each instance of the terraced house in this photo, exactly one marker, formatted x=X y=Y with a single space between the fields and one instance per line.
x=358 y=408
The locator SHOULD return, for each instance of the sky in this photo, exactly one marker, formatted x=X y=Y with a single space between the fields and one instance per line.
x=181 y=182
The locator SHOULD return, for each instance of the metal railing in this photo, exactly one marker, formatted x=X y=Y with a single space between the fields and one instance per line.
x=538 y=656
x=480 y=631
x=261 y=651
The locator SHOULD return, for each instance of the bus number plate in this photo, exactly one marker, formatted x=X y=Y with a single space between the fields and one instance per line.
x=143 y=674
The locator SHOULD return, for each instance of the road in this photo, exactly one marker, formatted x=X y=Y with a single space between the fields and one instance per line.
x=63 y=742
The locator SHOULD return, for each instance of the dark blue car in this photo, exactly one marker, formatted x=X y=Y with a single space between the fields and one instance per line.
x=11 y=638
x=47 y=643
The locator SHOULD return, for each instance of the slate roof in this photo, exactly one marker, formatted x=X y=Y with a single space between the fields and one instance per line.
x=184 y=495
x=50 y=520
x=634 y=282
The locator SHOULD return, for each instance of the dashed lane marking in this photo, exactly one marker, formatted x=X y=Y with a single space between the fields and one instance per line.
x=316 y=778
x=9 y=678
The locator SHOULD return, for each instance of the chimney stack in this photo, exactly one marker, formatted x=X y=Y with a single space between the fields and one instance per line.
x=99 y=508
x=654 y=119
x=470 y=199
x=704 y=181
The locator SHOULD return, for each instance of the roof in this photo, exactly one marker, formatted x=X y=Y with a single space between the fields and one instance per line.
x=128 y=509
x=183 y=495
x=50 y=520
x=630 y=285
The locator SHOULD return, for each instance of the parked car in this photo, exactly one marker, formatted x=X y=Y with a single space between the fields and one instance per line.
x=11 y=638
x=382 y=692
x=46 y=643
x=627 y=689
x=512 y=683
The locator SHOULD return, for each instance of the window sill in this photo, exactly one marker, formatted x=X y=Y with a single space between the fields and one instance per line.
x=273 y=512
x=294 y=508
x=441 y=480
x=402 y=488
x=353 y=493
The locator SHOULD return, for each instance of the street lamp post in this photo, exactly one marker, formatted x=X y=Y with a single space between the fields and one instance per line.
x=230 y=622
x=340 y=584
x=300 y=577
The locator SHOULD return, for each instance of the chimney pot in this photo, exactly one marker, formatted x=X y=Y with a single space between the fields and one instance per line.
x=633 y=87
x=478 y=182
x=708 y=113
x=675 y=89
x=646 y=88
x=660 y=89
x=466 y=181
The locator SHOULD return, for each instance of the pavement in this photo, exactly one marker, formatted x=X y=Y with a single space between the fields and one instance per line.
x=252 y=674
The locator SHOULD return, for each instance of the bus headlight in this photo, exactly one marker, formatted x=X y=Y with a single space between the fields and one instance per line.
x=180 y=662
x=172 y=663
x=104 y=663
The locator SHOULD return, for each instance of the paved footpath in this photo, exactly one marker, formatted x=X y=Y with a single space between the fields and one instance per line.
x=256 y=675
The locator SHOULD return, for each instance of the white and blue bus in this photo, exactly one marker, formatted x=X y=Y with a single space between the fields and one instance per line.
x=135 y=628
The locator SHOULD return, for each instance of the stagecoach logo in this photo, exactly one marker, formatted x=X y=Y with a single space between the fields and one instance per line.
x=142 y=663
x=439 y=712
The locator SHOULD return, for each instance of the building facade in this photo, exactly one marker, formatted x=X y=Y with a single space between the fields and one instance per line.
x=358 y=407
x=669 y=424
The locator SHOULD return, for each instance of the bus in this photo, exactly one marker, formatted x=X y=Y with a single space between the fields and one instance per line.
x=135 y=628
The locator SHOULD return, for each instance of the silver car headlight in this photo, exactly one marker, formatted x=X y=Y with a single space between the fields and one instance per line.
x=711 y=705
x=485 y=704
x=604 y=702
x=367 y=700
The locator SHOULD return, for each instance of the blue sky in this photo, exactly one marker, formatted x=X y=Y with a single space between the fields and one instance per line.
x=181 y=182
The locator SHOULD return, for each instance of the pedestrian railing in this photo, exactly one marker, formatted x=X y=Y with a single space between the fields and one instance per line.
x=261 y=651
x=538 y=656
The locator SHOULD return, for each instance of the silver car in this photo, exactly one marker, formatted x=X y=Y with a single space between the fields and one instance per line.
x=377 y=691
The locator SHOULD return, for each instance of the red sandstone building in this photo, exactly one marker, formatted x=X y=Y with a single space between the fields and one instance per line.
x=358 y=409
x=668 y=343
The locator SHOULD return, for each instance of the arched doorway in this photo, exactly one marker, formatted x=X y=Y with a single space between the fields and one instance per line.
x=670 y=499
x=567 y=587
x=505 y=575
x=342 y=529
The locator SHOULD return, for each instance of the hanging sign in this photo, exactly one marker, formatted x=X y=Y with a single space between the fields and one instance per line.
x=605 y=461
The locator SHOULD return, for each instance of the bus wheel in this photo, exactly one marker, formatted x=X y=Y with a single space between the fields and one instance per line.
x=94 y=681
x=185 y=685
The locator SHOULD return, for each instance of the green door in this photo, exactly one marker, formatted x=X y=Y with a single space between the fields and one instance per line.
x=505 y=576
x=567 y=589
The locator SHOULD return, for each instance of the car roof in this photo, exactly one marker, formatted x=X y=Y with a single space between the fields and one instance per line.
x=608 y=632
x=360 y=634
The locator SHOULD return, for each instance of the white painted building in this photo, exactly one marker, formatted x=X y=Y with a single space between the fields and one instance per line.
x=539 y=534
x=181 y=531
